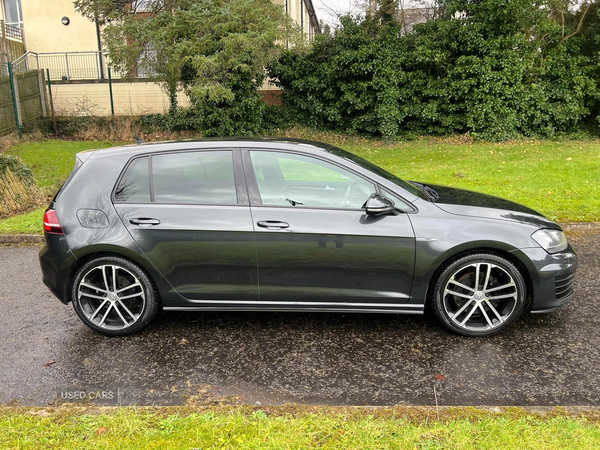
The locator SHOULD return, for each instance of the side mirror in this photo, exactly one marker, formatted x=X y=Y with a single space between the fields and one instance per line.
x=378 y=205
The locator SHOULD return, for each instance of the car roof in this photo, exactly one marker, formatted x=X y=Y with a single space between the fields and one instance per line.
x=266 y=143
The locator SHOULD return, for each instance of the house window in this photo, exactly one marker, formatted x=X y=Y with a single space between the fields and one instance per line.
x=145 y=62
x=140 y=6
x=13 y=12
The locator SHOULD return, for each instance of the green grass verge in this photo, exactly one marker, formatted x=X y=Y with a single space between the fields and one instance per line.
x=130 y=428
x=560 y=179
x=28 y=223
x=51 y=161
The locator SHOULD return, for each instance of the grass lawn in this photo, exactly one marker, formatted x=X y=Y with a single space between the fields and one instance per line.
x=130 y=428
x=51 y=161
x=28 y=223
x=561 y=179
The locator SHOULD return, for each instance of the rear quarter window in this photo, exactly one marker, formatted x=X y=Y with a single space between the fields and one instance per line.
x=134 y=186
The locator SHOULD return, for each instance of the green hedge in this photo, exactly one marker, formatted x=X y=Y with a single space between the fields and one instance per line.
x=497 y=69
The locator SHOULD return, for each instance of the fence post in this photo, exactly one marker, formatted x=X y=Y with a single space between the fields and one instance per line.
x=15 y=98
x=112 y=103
x=67 y=63
x=42 y=89
x=51 y=100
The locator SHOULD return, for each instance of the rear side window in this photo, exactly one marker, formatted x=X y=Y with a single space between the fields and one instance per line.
x=200 y=178
x=134 y=187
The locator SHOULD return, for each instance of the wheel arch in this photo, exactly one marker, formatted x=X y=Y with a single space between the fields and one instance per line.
x=93 y=252
x=447 y=259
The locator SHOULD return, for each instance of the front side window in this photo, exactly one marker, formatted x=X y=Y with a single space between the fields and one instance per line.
x=201 y=178
x=398 y=202
x=287 y=179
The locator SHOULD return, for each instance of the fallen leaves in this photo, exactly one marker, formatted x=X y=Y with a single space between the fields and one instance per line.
x=102 y=430
x=440 y=377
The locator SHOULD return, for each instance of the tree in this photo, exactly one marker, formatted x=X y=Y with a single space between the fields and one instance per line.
x=216 y=49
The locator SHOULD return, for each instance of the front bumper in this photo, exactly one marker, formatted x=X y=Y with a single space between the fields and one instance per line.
x=552 y=277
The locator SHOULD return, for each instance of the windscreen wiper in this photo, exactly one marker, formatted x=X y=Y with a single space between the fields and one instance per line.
x=431 y=192
x=428 y=191
x=292 y=202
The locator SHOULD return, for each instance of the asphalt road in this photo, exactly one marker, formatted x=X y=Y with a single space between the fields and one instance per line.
x=272 y=358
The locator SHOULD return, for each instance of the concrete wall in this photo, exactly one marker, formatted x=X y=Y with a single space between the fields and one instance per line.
x=130 y=99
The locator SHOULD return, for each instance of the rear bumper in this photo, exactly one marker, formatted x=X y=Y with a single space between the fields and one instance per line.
x=552 y=277
x=56 y=261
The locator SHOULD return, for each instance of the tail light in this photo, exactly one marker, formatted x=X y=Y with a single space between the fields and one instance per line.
x=51 y=223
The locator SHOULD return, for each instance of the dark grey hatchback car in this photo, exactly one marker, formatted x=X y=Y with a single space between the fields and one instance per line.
x=281 y=225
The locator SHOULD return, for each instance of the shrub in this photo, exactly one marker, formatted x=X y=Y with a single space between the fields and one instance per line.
x=497 y=69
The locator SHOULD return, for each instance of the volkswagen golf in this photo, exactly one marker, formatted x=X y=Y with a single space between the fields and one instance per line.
x=290 y=225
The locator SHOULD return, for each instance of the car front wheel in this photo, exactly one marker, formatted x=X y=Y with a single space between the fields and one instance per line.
x=479 y=295
x=114 y=297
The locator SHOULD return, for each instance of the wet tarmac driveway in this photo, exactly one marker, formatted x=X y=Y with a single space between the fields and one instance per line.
x=48 y=355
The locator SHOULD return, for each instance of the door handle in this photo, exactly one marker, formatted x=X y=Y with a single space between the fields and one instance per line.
x=144 y=222
x=272 y=224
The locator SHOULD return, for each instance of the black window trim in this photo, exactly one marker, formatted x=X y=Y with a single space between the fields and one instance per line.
x=413 y=209
x=254 y=192
x=151 y=178
x=124 y=172
x=238 y=177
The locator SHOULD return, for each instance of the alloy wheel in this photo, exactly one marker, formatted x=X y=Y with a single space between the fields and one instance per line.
x=480 y=296
x=111 y=297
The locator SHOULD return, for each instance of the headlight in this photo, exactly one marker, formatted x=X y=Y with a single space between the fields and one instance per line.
x=553 y=241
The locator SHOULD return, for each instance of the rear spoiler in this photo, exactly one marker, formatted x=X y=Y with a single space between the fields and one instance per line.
x=83 y=156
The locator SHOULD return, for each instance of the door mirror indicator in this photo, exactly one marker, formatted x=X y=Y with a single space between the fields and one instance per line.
x=378 y=205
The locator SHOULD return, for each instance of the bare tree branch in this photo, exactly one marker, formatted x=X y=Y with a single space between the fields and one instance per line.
x=579 y=25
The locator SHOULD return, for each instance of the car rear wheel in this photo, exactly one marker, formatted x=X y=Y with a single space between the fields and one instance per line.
x=479 y=295
x=114 y=297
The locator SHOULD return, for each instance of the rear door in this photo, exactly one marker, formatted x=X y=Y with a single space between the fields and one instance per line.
x=189 y=213
x=315 y=244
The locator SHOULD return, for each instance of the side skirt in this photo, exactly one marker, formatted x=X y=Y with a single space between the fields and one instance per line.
x=297 y=307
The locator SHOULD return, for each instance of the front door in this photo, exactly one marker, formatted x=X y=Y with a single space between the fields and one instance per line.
x=189 y=213
x=315 y=243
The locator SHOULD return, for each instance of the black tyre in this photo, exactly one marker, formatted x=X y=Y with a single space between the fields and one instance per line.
x=479 y=295
x=114 y=297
